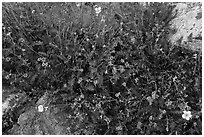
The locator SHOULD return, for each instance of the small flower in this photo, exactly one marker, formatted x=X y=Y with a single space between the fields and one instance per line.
x=78 y=4
x=95 y=82
x=121 y=68
x=168 y=103
x=79 y=80
x=45 y=64
x=122 y=60
x=119 y=128
x=106 y=72
x=65 y=85
x=151 y=118
x=114 y=71
x=195 y=56
x=21 y=40
x=69 y=57
x=98 y=10
x=21 y=16
x=136 y=80
x=124 y=84
x=174 y=79
x=187 y=115
x=139 y=124
x=40 y=108
x=110 y=63
x=39 y=59
x=150 y=100
x=117 y=94
x=127 y=64
x=8 y=34
x=81 y=70
x=82 y=96
x=7 y=77
x=111 y=57
x=25 y=75
x=8 y=59
x=43 y=59
x=132 y=39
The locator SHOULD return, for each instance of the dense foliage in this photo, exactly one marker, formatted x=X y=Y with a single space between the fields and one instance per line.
x=122 y=72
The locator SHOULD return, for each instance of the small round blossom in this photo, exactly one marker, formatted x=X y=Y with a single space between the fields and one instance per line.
x=25 y=75
x=124 y=84
x=114 y=71
x=110 y=63
x=187 y=115
x=117 y=94
x=97 y=10
x=7 y=77
x=8 y=59
x=132 y=39
x=43 y=59
x=95 y=82
x=8 y=34
x=195 y=56
x=79 y=80
x=33 y=11
x=127 y=64
x=44 y=64
x=78 y=4
x=122 y=60
x=39 y=59
x=119 y=128
x=121 y=68
x=40 y=108
x=65 y=85
x=21 y=40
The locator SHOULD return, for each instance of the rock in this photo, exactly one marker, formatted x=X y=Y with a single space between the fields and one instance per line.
x=188 y=25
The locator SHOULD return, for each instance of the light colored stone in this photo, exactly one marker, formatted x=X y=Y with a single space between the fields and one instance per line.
x=187 y=24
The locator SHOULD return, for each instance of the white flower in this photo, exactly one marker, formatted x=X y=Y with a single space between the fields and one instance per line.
x=119 y=128
x=8 y=59
x=98 y=10
x=39 y=59
x=40 y=108
x=25 y=75
x=78 y=4
x=79 y=80
x=186 y=115
x=21 y=40
x=121 y=69
x=122 y=60
x=45 y=64
x=7 y=77
x=150 y=100
x=8 y=34
x=95 y=82
x=124 y=84
x=43 y=59
x=117 y=94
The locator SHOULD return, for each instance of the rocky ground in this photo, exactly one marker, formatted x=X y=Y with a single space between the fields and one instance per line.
x=102 y=68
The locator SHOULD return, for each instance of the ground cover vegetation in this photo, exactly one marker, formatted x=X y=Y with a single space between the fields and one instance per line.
x=116 y=68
